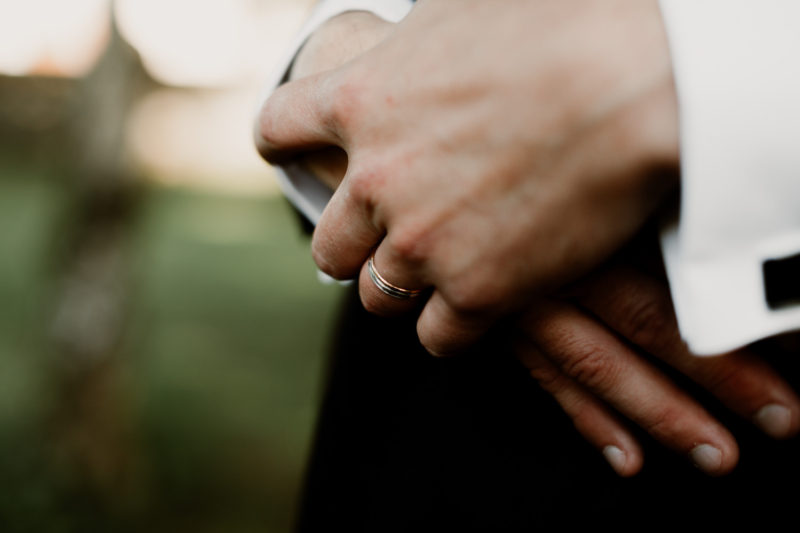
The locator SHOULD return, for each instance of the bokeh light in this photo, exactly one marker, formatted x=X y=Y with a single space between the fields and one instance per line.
x=53 y=37
x=207 y=42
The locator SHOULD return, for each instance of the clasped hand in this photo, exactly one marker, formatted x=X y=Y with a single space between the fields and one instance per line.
x=492 y=167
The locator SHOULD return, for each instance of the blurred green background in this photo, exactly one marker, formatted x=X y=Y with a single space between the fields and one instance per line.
x=162 y=329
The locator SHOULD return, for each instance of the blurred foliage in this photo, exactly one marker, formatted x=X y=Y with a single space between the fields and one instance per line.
x=161 y=350
x=214 y=386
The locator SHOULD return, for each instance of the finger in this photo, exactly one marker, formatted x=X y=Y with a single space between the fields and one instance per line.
x=444 y=331
x=383 y=297
x=598 y=425
x=587 y=352
x=298 y=116
x=391 y=285
x=639 y=308
x=347 y=231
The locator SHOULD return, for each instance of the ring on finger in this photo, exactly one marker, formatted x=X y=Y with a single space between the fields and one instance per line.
x=389 y=288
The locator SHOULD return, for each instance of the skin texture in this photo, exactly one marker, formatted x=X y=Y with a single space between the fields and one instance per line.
x=425 y=146
x=585 y=348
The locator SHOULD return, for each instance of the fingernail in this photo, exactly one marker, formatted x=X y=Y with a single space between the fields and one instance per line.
x=775 y=420
x=616 y=458
x=707 y=458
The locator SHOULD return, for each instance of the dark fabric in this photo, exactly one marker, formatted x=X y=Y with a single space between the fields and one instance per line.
x=305 y=225
x=407 y=442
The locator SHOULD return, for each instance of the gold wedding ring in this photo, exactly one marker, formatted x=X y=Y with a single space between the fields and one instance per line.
x=387 y=288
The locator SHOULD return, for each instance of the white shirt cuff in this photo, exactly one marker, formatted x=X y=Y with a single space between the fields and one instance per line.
x=738 y=81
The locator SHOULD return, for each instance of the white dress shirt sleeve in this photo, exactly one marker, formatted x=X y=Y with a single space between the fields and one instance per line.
x=737 y=75
x=302 y=188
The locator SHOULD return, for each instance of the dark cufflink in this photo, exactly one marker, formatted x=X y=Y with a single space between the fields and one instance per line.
x=782 y=282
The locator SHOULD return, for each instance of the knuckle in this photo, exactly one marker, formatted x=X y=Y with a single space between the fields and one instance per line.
x=649 y=323
x=468 y=301
x=361 y=184
x=347 y=93
x=409 y=244
x=476 y=290
x=666 y=423
x=371 y=180
x=476 y=294
x=591 y=366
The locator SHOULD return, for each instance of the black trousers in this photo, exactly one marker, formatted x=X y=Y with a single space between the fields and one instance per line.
x=408 y=442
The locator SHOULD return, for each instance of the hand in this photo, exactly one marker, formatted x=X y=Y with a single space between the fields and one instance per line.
x=578 y=358
x=336 y=42
x=588 y=355
x=493 y=152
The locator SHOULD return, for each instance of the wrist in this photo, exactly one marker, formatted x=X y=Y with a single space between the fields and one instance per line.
x=657 y=132
x=628 y=109
x=643 y=106
x=654 y=132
